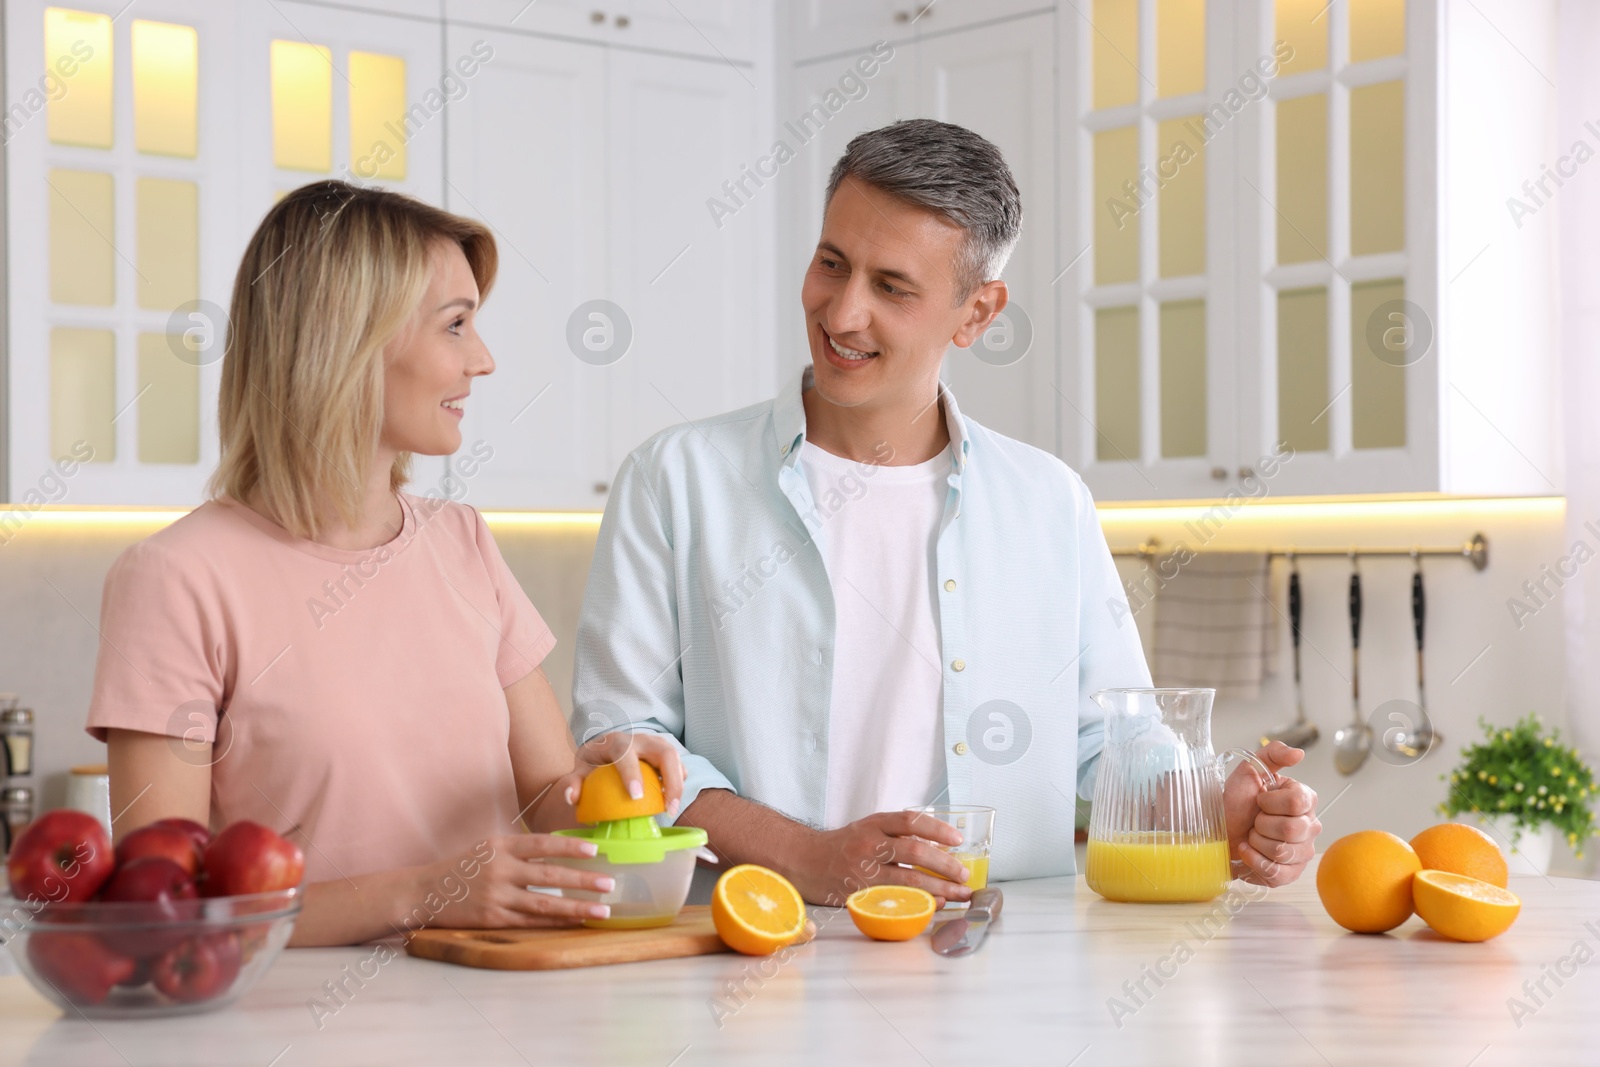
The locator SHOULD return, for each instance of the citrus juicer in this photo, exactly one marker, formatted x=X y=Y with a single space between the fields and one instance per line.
x=651 y=866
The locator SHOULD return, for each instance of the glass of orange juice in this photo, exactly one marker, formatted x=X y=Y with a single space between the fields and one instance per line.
x=976 y=825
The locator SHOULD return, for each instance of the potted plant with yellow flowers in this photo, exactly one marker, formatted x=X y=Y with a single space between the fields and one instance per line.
x=1524 y=787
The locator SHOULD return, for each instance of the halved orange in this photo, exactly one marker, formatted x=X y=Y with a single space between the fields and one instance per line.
x=1462 y=908
x=604 y=798
x=891 y=912
x=757 y=911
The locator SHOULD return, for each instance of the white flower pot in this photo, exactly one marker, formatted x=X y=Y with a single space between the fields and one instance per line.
x=1531 y=853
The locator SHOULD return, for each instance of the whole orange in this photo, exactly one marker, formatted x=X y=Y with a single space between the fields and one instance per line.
x=1461 y=849
x=1364 y=880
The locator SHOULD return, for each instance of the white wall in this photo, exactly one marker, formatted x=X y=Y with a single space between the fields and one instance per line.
x=50 y=580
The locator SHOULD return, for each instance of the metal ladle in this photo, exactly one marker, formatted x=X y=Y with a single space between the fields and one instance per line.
x=1301 y=733
x=1416 y=743
x=1352 y=743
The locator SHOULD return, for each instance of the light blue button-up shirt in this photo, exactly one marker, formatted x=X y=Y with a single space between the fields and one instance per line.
x=709 y=617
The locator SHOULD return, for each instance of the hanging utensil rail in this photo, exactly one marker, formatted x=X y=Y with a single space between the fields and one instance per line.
x=1476 y=551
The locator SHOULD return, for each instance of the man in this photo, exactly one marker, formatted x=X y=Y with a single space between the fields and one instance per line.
x=852 y=600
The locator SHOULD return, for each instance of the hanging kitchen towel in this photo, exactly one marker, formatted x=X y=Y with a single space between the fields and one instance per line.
x=1214 y=624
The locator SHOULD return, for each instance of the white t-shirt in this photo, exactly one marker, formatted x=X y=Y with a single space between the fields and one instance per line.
x=885 y=731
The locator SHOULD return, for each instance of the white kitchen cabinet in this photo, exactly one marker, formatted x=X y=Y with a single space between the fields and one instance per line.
x=420 y=102
x=164 y=184
x=594 y=167
x=1361 y=293
x=539 y=127
x=998 y=80
x=112 y=227
x=526 y=156
x=1146 y=284
x=1477 y=412
x=683 y=270
x=827 y=28
x=724 y=30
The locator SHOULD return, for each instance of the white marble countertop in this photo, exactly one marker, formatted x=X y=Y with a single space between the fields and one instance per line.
x=1277 y=983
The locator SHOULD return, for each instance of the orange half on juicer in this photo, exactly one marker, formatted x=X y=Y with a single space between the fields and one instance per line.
x=651 y=865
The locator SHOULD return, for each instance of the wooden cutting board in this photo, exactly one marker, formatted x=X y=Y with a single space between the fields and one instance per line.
x=549 y=950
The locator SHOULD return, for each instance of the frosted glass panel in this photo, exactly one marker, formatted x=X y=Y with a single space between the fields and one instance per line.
x=1183 y=378
x=1116 y=52
x=1180 y=47
x=1116 y=223
x=377 y=116
x=169 y=402
x=167 y=217
x=1295 y=27
x=302 y=106
x=1116 y=383
x=166 y=89
x=1303 y=369
x=1377 y=168
x=77 y=50
x=82 y=225
x=1181 y=153
x=1377 y=376
x=83 y=384
x=1377 y=28
x=1302 y=215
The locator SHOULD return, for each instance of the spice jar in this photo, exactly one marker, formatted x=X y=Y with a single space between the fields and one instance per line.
x=16 y=812
x=16 y=738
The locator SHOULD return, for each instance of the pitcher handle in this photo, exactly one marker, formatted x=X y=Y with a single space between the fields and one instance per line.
x=1269 y=780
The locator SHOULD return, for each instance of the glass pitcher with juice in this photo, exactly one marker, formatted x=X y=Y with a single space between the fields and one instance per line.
x=1156 y=827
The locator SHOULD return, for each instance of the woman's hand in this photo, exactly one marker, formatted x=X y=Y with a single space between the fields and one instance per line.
x=655 y=749
x=487 y=886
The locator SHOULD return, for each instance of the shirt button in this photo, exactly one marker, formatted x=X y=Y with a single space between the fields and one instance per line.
x=950 y=585
x=961 y=748
x=784 y=451
x=816 y=657
x=958 y=665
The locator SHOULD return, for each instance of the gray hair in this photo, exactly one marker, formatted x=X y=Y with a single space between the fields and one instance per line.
x=952 y=172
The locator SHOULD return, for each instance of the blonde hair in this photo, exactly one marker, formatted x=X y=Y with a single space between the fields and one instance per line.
x=332 y=275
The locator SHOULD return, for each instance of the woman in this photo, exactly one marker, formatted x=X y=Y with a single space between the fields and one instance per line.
x=317 y=651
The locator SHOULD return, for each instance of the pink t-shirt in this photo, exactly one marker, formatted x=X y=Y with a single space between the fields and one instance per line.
x=353 y=697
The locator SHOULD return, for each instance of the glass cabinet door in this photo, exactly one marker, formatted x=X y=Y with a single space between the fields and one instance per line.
x=124 y=140
x=1346 y=360
x=1147 y=392
x=152 y=142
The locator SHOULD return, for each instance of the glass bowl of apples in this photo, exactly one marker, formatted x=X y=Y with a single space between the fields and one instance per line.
x=173 y=921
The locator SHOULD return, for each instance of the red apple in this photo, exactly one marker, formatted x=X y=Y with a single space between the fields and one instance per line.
x=199 y=969
x=140 y=975
x=201 y=836
x=169 y=842
x=62 y=856
x=79 y=966
x=246 y=857
x=158 y=884
x=154 y=879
